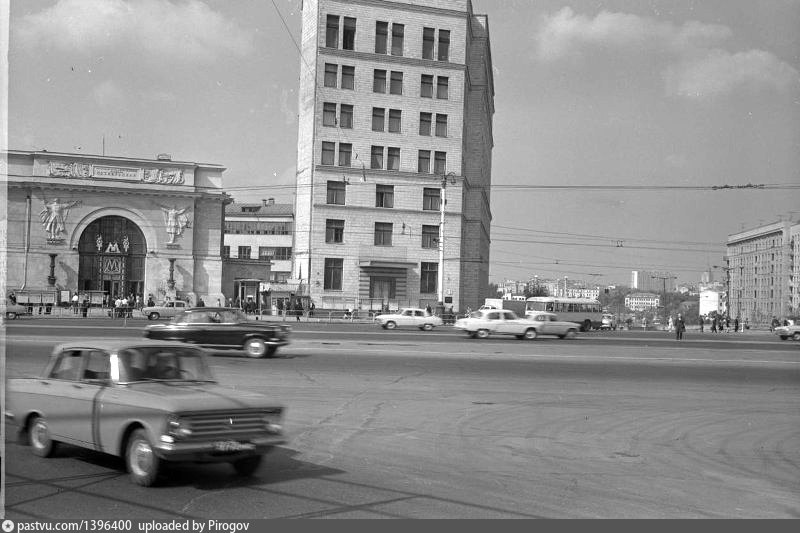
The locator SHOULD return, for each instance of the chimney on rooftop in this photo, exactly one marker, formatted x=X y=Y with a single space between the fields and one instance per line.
x=164 y=157
x=268 y=201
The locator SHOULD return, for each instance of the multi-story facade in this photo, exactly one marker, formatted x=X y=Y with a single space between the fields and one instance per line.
x=763 y=272
x=645 y=280
x=395 y=115
x=641 y=301
x=257 y=248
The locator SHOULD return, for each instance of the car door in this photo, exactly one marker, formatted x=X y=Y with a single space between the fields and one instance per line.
x=406 y=317
x=493 y=321
x=419 y=317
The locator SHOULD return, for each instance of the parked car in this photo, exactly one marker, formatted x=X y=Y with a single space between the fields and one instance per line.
x=164 y=309
x=608 y=322
x=146 y=401
x=222 y=328
x=790 y=331
x=14 y=310
x=409 y=316
x=485 y=322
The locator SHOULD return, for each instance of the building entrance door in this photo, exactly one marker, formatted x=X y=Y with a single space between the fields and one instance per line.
x=112 y=253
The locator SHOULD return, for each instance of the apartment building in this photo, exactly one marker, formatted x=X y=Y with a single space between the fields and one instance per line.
x=395 y=137
x=646 y=280
x=763 y=272
x=641 y=301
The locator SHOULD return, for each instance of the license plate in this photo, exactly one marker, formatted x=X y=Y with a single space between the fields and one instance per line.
x=233 y=446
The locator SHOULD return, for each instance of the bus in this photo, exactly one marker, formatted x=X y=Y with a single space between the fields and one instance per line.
x=584 y=311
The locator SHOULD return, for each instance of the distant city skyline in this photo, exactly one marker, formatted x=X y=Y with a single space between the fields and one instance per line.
x=625 y=133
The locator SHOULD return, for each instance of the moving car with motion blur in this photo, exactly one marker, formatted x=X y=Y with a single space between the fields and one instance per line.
x=222 y=328
x=13 y=310
x=485 y=322
x=409 y=316
x=148 y=402
x=790 y=331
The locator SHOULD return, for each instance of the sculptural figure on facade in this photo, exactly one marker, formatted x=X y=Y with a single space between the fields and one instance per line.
x=175 y=220
x=54 y=215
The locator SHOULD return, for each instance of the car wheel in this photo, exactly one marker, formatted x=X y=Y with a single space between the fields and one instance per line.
x=248 y=465
x=427 y=327
x=796 y=336
x=587 y=325
x=11 y=315
x=142 y=462
x=530 y=334
x=39 y=438
x=153 y=316
x=255 y=347
x=570 y=334
x=482 y=333
x=390 y=325
x=784 y=337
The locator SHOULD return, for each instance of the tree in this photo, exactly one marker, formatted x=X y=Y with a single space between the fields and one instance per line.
x=536 y=291
x=491 y=290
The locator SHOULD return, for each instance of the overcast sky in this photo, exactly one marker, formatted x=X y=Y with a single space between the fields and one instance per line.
x=630 y=95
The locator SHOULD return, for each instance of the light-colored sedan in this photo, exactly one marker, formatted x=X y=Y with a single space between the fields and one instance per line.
x=487 y=322
x=13 y=310
x=786 y=332
x=409 y=316
x=164 y=309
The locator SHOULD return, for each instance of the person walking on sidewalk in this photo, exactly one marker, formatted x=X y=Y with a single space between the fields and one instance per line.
x=680 y=327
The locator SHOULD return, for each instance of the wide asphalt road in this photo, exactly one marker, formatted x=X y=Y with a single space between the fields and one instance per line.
x=411 y=424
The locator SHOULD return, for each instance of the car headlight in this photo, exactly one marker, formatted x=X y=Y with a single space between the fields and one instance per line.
x=176 y=427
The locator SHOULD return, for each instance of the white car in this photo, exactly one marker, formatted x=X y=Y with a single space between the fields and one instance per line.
x=608 y=322
x=485 y=322
x=409 y=316
x=164 y=309
x=786 y=332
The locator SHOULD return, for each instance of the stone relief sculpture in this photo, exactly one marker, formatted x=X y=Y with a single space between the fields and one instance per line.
x=163 y=176
x=175 y=220
x=54 y=216
x=60 y=169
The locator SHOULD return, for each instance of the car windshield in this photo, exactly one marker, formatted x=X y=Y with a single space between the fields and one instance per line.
x=162 y=363
x=210 y=316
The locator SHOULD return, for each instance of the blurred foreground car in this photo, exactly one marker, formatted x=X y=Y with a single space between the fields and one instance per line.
x=222 y=328
x=164 y=309
x=485 y=322
x=146 y=401
x=409 y=316
x=12 y=310
x=784 y=332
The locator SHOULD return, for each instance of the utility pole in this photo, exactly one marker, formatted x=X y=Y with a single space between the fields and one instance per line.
x=664 y=279
x=440 y=281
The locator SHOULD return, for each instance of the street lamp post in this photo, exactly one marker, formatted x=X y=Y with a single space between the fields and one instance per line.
x=664 y=279
x=442 y=202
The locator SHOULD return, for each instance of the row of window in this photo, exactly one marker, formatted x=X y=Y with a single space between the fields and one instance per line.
x=384 y=196
x=377 y=161
x=265 y=253
x=258 y=228
x=431 y=47
x=334 y=269
x=379 y=119
x=334 y=233
x=379 y=76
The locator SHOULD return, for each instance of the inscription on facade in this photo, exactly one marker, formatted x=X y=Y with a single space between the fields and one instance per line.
x=162 y=176
x=116 y=172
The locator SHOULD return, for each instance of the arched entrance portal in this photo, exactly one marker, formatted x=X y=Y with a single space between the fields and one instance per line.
x=112 y=253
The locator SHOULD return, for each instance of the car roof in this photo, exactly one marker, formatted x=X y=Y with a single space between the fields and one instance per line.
x=116 y=344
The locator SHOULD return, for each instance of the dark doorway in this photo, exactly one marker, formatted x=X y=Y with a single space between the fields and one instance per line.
x=112 y=255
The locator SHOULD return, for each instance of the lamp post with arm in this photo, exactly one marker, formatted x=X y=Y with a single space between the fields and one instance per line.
x=664 y=278
x=442 y=202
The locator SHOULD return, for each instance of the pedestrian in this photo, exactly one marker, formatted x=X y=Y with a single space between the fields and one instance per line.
x=680 y=327
x=299 y=309
x=774 y=324
x=702 y=324
x=219 y=304
x=736 y=324
x=311 y=308
x=428 y=309
x=12 y=297
x=85 y=306
x=671 y=326
x=150 y=302
x=200 y=302
x=75 y=304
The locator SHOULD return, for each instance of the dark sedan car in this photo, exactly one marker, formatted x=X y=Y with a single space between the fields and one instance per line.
x=222 y=328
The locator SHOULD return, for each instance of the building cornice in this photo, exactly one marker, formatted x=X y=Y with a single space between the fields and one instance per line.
x=386 y=58
x=416 y=8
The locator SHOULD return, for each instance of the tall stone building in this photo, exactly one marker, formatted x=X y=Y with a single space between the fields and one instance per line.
x=395 y=112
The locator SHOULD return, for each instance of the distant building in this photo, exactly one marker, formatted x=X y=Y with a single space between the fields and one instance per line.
x=641 y=301
x=652 y=281
x=764 y=272
x=711 y=300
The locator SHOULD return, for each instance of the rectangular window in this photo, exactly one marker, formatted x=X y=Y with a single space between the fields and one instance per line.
x=266 y=253
x=383 y=234
x=425 y=124
x=328 y=114
x=345 y=154
x=244 y=252
x=439 y=163
x=441 y=125
x=384 y=195
x=396 y=86
x=381 y=36
x=427 y=43
x=226 y=252
x=328 y=151
x=424 y=162
x=332 y=32
x=378 y=117
x=430 y=236
x=393 y=159
x=334 y=267
x=331 y=72
x=334 y=231
x=397 y=39
x=336 y=191
x=444 y=45
x=429 y=273
x=349 y=34
x=426 y=86
x=431 y=198
x=348 y=77
x=395 y=120
x=442 y=87
x=346 y=117
x=379 y=81
x=376 y=157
